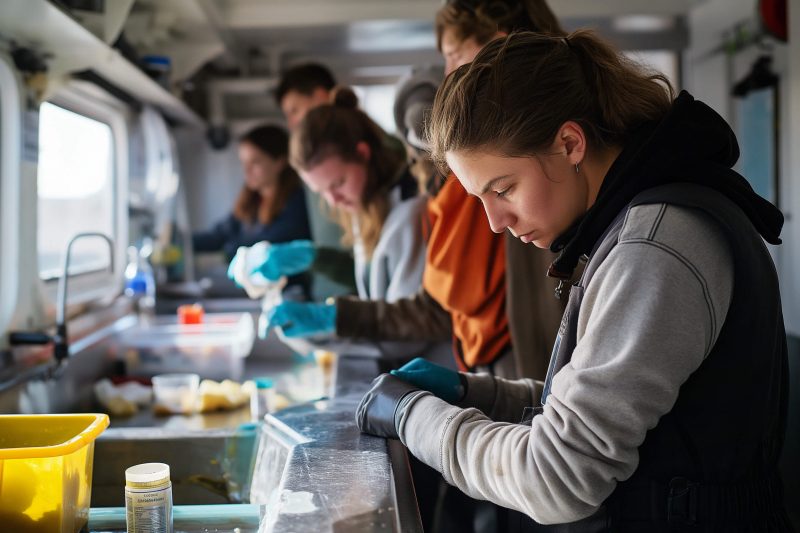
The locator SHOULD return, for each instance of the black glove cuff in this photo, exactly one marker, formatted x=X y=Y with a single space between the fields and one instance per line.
x=464 y=386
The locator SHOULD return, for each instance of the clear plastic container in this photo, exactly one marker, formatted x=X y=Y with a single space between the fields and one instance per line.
x=46 y=471
x=176 y=393
x=214 y=349
x=148 y=498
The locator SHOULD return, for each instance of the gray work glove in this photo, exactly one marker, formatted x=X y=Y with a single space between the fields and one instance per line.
x=382 y=407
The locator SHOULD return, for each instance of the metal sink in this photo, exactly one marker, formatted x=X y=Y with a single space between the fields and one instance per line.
x=208 y=466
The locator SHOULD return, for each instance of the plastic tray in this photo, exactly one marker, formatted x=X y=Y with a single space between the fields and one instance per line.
x=214 y=349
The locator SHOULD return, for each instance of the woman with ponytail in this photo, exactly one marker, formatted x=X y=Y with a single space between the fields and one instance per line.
x=342 y=154
x=664 y=406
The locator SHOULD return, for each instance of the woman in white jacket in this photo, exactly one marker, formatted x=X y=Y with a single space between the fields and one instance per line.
x=344 y=156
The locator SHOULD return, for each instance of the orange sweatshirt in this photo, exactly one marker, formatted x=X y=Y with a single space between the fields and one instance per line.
x=465 y=273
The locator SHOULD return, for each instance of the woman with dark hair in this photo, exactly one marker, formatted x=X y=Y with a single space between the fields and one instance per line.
x=640 y=424
x=271 y=205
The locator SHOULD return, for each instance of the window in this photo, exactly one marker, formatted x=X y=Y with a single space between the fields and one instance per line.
x=75 y=189
x=378 y=102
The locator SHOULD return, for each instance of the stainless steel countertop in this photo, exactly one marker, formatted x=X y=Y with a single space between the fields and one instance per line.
x=314 y=471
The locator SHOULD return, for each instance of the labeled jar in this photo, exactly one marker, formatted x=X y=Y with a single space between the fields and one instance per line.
x=148 y=498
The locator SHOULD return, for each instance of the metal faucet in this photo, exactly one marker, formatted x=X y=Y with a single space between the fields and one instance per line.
x=59 y=340
x=60 y=345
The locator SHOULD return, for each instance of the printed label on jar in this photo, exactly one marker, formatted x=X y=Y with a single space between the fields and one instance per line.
x=149 y=511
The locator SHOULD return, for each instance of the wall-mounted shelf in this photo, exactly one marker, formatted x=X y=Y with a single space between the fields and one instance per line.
x=70 y=48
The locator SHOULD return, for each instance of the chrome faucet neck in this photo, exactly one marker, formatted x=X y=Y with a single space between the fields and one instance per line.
x=60 y=338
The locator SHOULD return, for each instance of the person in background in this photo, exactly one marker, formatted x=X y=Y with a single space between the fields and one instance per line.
x=416 y=317
x=271 y=205
x=340 y=154
x=483 y=306
x=640 y=424
x=303 y=88
x=491 y=301
x=463 y=27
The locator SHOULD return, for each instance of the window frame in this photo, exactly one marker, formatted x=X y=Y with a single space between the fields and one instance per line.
x=90 y=101
x=11 y=147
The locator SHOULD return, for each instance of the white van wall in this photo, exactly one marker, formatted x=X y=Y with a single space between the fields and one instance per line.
x=213 y=178
x=709 y=74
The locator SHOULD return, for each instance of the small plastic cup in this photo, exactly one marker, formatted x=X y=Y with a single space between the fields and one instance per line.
x=176 y=393
x=190 y=314
x=263 y=399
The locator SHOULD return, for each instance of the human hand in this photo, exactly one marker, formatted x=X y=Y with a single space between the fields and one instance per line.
x=299 y=319
x=287 y=258
x=382 y=407
x=445 y=383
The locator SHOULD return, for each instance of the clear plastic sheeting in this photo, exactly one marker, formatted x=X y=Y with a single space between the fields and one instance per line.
x=316 y=472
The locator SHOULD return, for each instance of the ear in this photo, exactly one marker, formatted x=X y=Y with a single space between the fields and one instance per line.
x=498 y=34
x=364 y=151
x=571 y=141
x=321 y=95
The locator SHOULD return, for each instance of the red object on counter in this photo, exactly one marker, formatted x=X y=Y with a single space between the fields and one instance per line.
x=190 y=314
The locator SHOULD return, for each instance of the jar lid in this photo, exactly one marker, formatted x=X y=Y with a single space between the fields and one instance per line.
x=147 y=473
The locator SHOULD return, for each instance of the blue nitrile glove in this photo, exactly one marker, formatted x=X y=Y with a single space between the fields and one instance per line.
x=298 y=319
x=287 y=258
x=382 y=407
x=445 y=383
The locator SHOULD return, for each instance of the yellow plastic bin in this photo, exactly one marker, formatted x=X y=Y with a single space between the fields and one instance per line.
x=46 y=471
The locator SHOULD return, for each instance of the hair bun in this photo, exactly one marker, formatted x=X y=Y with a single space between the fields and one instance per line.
x=344 y=97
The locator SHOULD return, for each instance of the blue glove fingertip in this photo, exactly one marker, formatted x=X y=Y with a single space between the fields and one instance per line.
x=418 y=363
